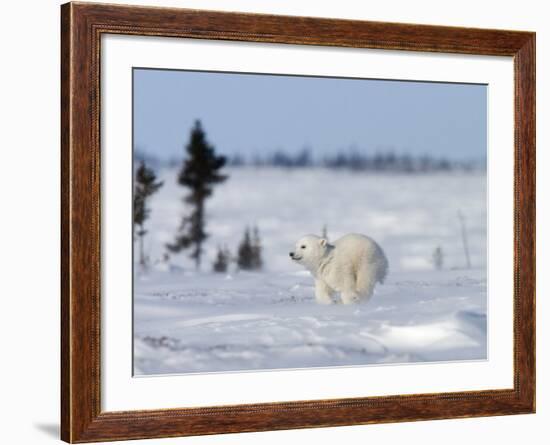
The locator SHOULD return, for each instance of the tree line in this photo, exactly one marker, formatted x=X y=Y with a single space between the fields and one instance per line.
x=380 y=161
x=200 y=172
x=388 y=161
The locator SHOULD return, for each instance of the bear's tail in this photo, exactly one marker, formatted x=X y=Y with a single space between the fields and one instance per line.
x=384 y=266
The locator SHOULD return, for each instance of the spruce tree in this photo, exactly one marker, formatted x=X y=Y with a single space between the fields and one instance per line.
x=223 y=258
x=145 y=186
x=245 y=254
x=199 y=173
x=257 y=262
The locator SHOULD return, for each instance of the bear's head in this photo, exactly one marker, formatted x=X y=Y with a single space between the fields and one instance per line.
x=309 y=251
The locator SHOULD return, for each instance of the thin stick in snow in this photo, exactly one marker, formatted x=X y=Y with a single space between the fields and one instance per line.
x=464 y=239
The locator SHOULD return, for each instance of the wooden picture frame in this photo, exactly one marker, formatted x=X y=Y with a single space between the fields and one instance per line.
x=82 y=25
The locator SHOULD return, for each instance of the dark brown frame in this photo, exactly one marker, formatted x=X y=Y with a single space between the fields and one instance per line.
x=82 y=25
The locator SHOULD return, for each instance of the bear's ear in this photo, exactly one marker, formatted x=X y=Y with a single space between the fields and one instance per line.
x=323 y=242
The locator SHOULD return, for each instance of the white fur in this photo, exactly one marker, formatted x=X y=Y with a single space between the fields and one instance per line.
x=351 y=266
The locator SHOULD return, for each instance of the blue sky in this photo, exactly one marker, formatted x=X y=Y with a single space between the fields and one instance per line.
x=255 y=114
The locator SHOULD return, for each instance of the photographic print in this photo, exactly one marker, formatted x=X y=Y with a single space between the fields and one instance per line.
x=309 y=208
x=289 y=222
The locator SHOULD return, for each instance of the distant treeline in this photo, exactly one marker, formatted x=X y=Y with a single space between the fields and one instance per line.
x=354 y=160
x=379 y=161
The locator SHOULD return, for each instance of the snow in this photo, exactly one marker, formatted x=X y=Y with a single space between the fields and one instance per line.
x=199 y=321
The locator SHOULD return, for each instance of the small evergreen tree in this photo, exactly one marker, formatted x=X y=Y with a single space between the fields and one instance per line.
x=245 y=254
x=257 y=262
x=223 y=258
x=145 y=186
x=199 y=173
x=249 y=254
x=437 y=258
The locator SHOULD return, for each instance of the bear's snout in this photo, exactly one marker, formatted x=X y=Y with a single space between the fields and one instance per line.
x=291 y=254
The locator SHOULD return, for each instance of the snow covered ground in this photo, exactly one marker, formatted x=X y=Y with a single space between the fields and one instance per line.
x=188 y=321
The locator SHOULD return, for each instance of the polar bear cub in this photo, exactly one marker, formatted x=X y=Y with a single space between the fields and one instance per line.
x=350 y=266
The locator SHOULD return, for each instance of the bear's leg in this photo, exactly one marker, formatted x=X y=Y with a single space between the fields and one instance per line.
x=366 y=280
x=323 y=293
x=348 y=295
